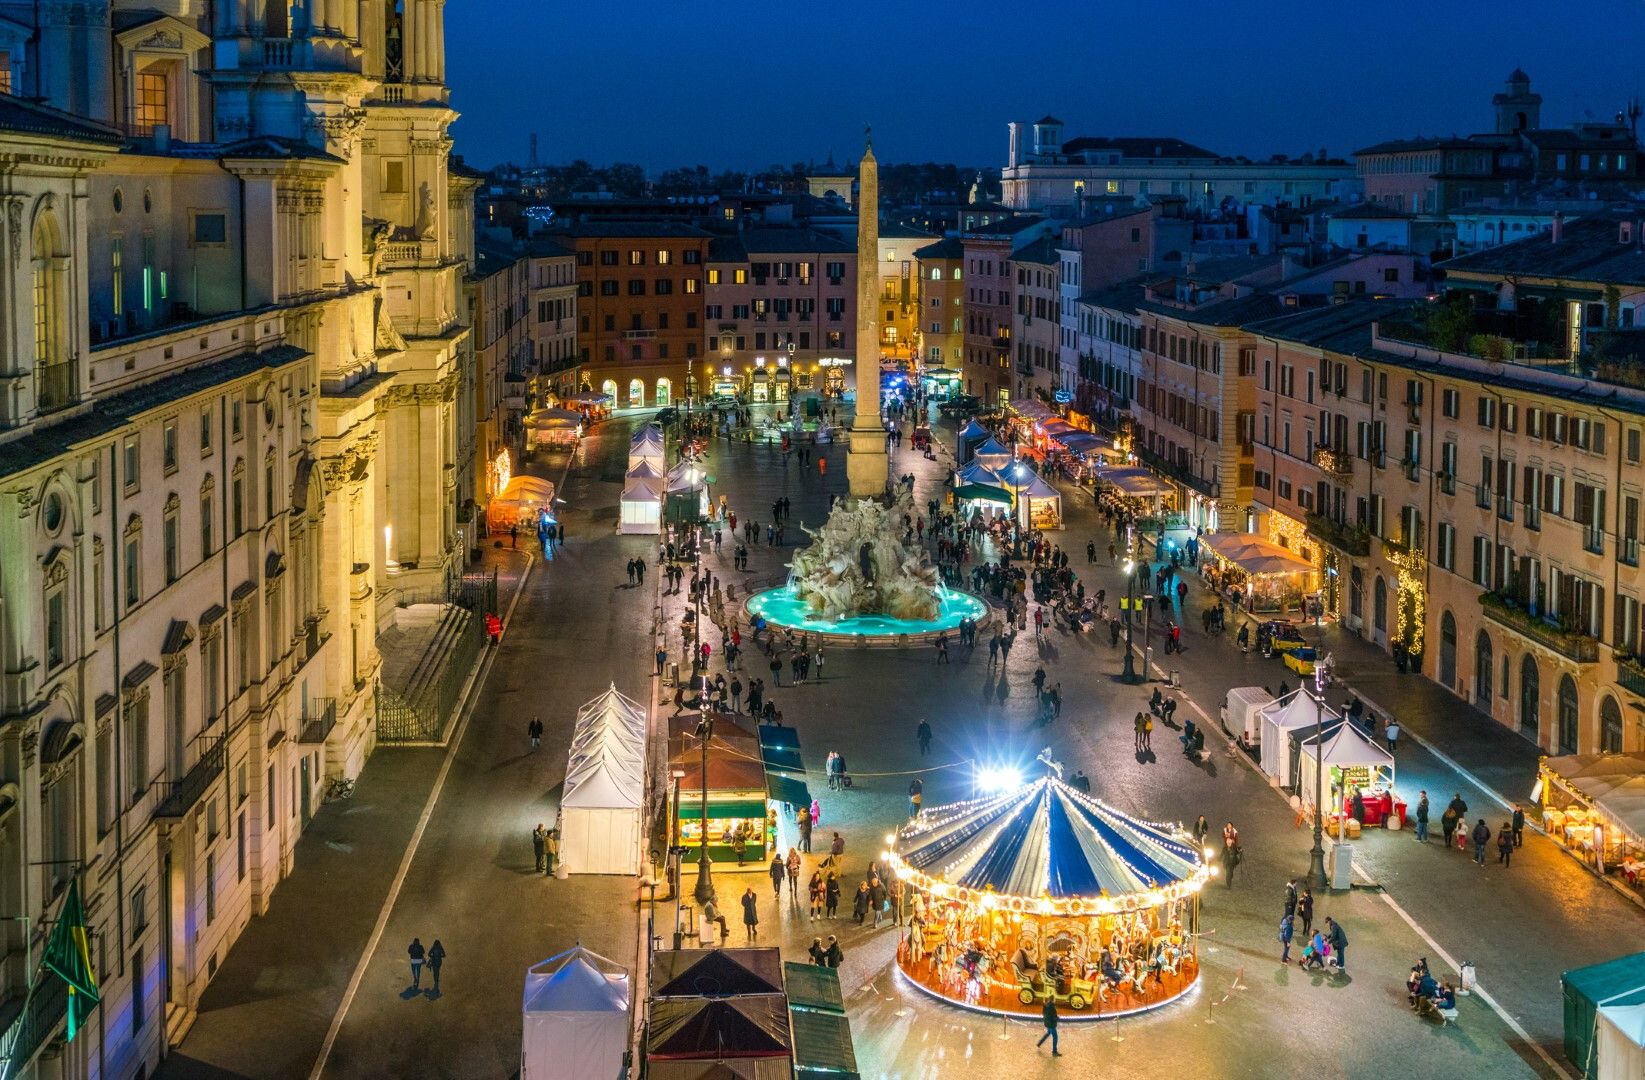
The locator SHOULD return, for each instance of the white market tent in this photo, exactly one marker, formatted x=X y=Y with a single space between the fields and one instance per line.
x=600 y=830
x=1295 y=710
x=978 y=473
x=969 y=436
x=1343 y=747
x=641 y=505
x=1039 y=505
x=575 y=1012
x=1621 y=1041
x=647 y=446
x=1242 y=712
x=553 y=427
x=991 y=454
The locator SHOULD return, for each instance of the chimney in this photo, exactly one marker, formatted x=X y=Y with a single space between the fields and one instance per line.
x=1558 y=231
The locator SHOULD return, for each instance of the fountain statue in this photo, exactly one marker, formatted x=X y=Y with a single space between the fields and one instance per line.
x=857 y=564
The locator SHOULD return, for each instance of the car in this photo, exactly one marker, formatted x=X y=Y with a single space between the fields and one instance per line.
x=1301 y=660
x=1278 y=635
x=960 y=405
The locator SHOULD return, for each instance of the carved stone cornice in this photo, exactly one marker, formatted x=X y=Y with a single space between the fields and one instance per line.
x=423 y=393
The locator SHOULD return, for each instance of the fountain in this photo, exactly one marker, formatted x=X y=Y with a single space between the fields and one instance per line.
x=858 y=579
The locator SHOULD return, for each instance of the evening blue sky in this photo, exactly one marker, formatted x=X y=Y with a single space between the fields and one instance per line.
x=736 y=84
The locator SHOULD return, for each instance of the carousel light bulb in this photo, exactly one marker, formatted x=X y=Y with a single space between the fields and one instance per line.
x=890 y=840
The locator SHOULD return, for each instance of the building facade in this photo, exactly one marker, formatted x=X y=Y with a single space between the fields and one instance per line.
x=941 y=334
x=1046 y=173
x=1036 y=319
x=230 y=447
x=778 y=312
x=639 y=307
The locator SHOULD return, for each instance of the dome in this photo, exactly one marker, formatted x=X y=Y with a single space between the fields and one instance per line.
x=1050 y=847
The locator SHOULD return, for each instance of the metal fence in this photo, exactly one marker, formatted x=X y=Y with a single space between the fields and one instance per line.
x=424 y=710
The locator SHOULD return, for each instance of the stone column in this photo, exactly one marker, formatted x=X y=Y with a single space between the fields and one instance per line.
x=867 y=465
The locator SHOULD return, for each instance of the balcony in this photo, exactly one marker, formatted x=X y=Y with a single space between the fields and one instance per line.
x=181 y=795
x=1630 y=674
x=1349 y=539
x=1181 y=473
x=318 y=720
x=30 y=1022
x=1567 y=642
x=1331 y=460
x=53 y=386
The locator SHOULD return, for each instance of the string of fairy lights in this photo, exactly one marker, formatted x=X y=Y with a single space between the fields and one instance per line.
x=930 y=823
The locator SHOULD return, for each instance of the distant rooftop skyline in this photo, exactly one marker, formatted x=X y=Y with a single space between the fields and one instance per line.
x=746 y=86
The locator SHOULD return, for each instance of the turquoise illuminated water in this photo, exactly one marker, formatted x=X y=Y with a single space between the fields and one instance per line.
x=782 y=608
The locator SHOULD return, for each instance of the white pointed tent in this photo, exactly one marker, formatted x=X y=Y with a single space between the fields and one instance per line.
x=641 y=505
x=1294 y=710
x=1343 y=747
x=647 y=445
x=1039 y=505
x=600 y=812
x=575 y=1013
x=991 y=454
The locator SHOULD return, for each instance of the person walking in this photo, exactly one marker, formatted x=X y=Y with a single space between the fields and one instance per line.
x=1422 y=817
x=1291 y=897
x=876 y=898
x=1339 y=943
x=1136 y=726
x=1202 y=829
x=551 y=849
x=916 y=794
x=1287 y=930
x=539 y=845
x=1305 y=910
x=416 y=952
x=1147 y=735
x=803 y=820
x=1048 y=1017
x=1518 y=825
x=1481 y=836
x=751 y=914
x=779 y=871
x=859 y=903
x=436 y=957
x=834 y=955
x=1391 y=733
x=831 y=895
x=1505 y=844
x=923 y=735
x=1448 y=824
x=793 y=868
x=534 y=732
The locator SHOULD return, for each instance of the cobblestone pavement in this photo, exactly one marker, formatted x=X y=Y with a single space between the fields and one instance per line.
x=577 y=629
x=1521 y=927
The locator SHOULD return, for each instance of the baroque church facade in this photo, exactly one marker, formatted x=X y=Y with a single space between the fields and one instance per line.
x=233 y=355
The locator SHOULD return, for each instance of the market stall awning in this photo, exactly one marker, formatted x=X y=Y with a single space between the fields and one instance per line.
x=822 y=1044
x=1134 y=480
x=982 y=493
x=1056 y=429
x=1255 y=554
x=1347 y=747
x=1035 y=487
x=1046 y=840
x=691 y=807
x=1030 y=409
x=715 y=973
x=992 y=454
x=1614 y=783
x=780 y=748
x=813 y=987
x=973 y=432
x=784 y=788
x=755 y=1025
x=1083 y=442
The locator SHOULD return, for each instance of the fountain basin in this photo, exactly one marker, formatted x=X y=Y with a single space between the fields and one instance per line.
x=782 y=608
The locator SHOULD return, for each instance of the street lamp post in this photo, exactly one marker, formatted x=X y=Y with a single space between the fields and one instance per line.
x=1130 y=675
x=1316 y=854
x=704 y=892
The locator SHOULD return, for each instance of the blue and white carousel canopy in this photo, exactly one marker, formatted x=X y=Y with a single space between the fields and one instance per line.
x=1047 y=848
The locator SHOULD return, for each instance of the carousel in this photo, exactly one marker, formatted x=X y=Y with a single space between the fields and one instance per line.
x=1045 y=891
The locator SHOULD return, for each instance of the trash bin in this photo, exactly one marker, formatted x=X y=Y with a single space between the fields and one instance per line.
x=1342 y=865
x=1176 y=680
x=674 y=673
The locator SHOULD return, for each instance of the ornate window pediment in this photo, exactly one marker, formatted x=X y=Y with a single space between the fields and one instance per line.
x=162 y=35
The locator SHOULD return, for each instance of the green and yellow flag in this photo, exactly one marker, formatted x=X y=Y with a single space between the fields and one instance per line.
x=68 y=956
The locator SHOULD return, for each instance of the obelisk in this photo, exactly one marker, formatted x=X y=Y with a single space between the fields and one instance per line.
x=867 y=466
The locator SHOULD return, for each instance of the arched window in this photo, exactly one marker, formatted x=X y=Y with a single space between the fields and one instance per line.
x=1610 y=726
x=60 y=795
x=1530 y=700
x=1570 y=723
x=1484 y=670
x=665 y=392
x=53 y=385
